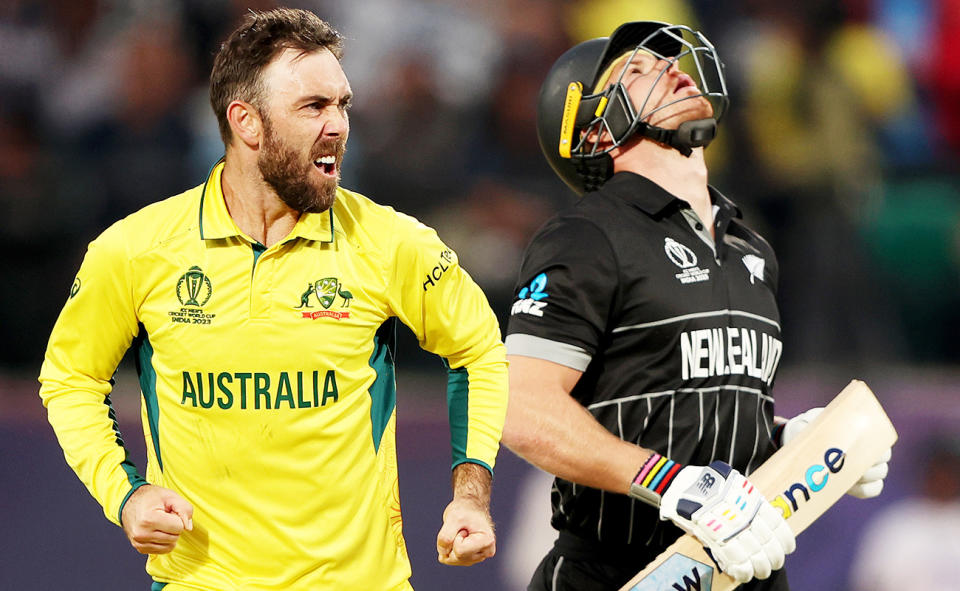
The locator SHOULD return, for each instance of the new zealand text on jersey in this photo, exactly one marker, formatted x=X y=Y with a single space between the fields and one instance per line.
x=725 y=351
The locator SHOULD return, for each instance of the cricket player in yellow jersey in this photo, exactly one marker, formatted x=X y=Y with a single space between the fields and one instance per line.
x=261 y=307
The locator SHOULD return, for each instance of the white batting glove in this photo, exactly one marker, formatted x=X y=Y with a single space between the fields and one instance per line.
x=870 y=484
x=794 y=426
x=747 y=537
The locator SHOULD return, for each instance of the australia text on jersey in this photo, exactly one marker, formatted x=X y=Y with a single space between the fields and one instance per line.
x=260 y=390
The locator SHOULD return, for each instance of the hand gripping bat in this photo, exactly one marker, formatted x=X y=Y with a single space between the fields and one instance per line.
x=803 y=479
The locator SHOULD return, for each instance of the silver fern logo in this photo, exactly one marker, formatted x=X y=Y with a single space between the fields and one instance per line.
x=755 y=267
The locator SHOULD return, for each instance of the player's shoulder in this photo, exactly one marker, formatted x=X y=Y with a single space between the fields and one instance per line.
x=745 y=231
x=601 y=214
x=352 y=206
x=156 y=223
x=582 y=222
x=364 y=221
x=572 y=235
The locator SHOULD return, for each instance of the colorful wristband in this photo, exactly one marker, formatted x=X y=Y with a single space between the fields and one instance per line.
x=654 y=477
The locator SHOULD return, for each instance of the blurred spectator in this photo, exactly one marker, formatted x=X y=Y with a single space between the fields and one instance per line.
x=909 y=137
x=433 y=63
x=30 y=238
x=489 y=229
x=914 y=544
x=598 y=18
x=411 y=152
x=912 y=231
x=811 y=133
x=29 y=51
x=944 y=75
x=506 y=144
x=131 y=151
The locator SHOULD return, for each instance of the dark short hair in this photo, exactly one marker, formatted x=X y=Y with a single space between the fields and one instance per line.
x=238 y=67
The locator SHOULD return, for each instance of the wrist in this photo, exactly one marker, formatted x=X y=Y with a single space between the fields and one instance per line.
x=654 y=477
x=472 y=483
x=777 y=433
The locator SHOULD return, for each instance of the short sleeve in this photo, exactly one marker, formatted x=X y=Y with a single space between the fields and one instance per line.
x=566 y=290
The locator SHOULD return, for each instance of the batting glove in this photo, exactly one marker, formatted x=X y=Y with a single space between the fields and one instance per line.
x=870 y=484
x=746 y=536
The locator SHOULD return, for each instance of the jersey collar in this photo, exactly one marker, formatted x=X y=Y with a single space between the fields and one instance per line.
x=655 y=200
x=215 y=220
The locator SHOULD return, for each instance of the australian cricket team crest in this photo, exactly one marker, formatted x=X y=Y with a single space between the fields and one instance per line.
x=194 y=289
x=326 y=292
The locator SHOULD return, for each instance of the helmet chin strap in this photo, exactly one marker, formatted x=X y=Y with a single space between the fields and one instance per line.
x=688 y=135
x=594 y=171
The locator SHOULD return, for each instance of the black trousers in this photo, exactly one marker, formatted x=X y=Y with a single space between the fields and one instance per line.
x=575 y=564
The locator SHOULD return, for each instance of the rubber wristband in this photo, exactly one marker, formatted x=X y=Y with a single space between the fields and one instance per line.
x=653 y=478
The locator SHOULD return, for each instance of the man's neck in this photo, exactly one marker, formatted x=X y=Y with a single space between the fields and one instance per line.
x=682 y=176
x=253 y=204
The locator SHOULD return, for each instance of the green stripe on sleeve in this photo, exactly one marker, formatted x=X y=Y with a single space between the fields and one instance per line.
x=458 y=399
x=383 y=391
x=148 y=386
x=133 y=475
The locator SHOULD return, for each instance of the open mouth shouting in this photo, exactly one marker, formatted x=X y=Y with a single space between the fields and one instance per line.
x=327 y=165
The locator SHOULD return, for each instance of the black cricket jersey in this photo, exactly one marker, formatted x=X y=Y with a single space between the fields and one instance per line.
x=678 y=340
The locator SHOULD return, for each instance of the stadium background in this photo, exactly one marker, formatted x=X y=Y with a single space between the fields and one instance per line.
x=842 y=147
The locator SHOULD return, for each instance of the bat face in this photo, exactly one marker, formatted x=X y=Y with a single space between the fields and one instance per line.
x=679 y=572
x=815 y=479
x=803 y=480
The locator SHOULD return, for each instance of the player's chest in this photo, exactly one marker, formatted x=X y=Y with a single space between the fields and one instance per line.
x=677 y=273
x=294 y=298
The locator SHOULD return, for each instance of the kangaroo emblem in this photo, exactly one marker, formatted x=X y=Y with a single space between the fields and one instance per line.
x=305 y=298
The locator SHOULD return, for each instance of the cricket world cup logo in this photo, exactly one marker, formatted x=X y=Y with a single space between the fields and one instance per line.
x=681 y=256
x=194 y=288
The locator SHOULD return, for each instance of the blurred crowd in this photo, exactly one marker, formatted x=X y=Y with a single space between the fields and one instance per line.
x=842 y=144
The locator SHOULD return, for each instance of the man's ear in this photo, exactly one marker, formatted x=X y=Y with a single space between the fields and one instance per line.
x=245 y=122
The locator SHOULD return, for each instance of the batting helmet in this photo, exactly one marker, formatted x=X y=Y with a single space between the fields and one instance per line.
x=575 y=102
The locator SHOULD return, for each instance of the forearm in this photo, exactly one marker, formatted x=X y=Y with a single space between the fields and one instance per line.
x=96 y=326
x=92 y=446
x=477 y=404
x=451 y=317
x=473 y=482
x=552 y=431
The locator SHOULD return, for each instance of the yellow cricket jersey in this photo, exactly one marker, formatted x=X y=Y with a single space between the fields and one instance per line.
x=268 y=384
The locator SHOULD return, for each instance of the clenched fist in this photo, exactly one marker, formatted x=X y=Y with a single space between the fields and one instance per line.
x=154 y=517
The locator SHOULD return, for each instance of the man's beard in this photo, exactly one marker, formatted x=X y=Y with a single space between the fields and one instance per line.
x=283 y=169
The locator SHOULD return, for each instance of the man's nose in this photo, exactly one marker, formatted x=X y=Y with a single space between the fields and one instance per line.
x=337 y=124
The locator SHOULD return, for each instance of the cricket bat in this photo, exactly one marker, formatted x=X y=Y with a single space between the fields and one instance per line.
x=803 y=479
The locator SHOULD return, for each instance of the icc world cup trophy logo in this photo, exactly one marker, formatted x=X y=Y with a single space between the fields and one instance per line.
x=194 y=288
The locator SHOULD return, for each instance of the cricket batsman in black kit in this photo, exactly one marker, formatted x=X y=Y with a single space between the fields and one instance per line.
x=645 y=335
